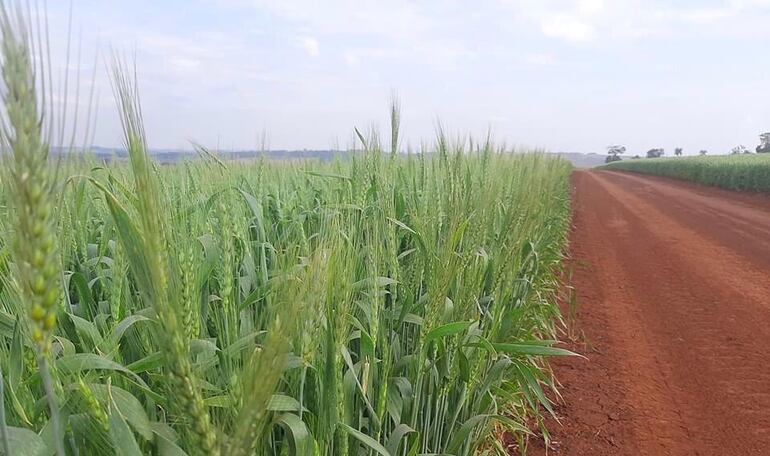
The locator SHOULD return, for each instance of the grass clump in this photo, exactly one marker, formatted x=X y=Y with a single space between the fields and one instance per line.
x=733 y=172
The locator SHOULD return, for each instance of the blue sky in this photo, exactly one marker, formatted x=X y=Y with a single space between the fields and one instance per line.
x=566 y=75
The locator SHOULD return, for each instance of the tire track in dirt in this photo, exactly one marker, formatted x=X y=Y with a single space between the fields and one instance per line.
x=673 y=284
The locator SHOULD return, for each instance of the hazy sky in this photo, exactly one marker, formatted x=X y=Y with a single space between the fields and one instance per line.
x=566 y=75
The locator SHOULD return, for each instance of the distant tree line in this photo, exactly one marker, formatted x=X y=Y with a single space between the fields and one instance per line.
x=615 y=151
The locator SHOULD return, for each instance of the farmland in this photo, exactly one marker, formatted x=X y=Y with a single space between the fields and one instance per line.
x=390 y=297
x=734 y=172
x=386 y=304
x=458 y=298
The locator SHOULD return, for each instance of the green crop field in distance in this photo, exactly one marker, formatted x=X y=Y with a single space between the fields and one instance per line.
x=749 y=172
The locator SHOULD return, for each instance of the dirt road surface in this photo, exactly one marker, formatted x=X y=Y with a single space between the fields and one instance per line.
x=673 y=286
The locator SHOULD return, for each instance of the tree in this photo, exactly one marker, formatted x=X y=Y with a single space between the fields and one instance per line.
x=614 y=152
x=703 y=152
x=739 y=149
x=678 y=151
x=764 y=143
x=655 y=153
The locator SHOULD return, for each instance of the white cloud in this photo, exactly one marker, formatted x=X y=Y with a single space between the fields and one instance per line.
x=540 y=59
x=567 y=27
x=590 y=6
x=184 y=63
x=310 y=45
x=599 y=21
x=697 y=15
x=750 y=4
x=569 y=20
x=396 y=20
x=499 y=119
x=354 y=57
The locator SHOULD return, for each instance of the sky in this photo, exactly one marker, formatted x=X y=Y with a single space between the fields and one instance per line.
x=563 y=75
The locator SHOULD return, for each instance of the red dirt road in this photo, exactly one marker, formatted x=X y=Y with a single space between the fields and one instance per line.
x=673 y=285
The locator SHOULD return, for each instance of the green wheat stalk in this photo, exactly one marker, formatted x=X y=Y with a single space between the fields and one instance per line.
x=31 y=192
x=151 y=261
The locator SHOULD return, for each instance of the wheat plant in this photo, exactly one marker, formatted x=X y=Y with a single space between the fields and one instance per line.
x=387 y=303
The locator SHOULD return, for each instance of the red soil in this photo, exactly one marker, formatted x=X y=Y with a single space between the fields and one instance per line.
x=673 y=286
